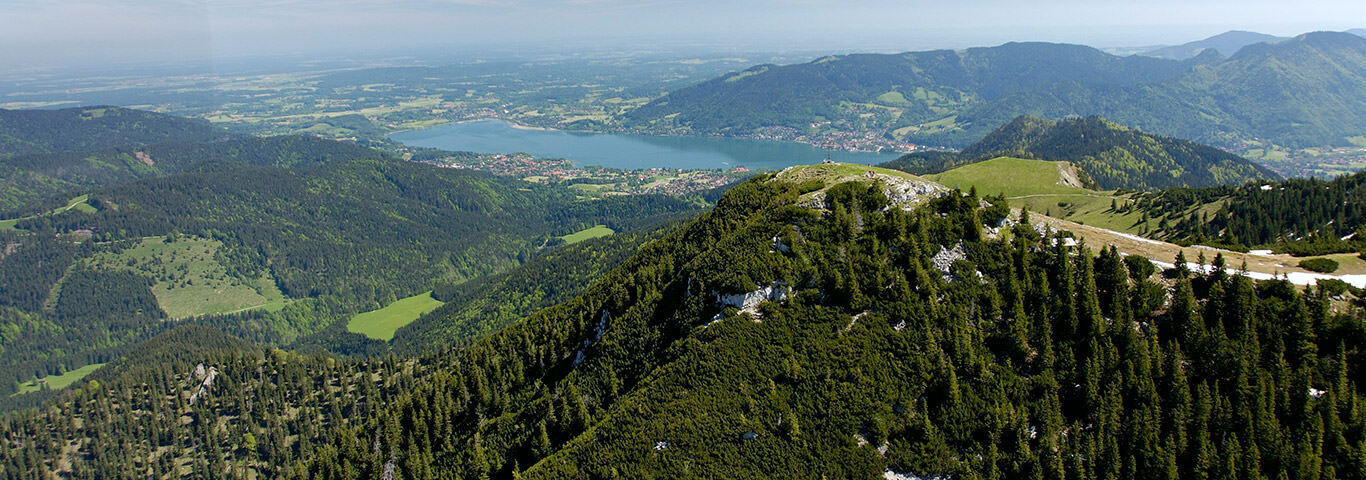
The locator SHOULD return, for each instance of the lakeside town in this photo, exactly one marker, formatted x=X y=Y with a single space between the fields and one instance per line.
x=591 y=181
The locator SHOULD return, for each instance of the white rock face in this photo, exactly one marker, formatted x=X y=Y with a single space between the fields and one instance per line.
x=776 y=291
x=943 y=261
x=597 y=335
x=905 y=192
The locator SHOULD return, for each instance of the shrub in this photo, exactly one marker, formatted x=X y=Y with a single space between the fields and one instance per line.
x=1321 y=265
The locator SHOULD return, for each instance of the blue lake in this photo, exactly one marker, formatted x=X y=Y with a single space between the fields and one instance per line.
x=628 y=151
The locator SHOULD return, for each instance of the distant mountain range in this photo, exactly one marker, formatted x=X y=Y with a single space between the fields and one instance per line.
x=1305 y=91
x=1227 y=44
x=1113 y=155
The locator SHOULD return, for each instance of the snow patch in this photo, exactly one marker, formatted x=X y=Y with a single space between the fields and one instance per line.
x=1137 y=238
x=1260 y=252
x=1297 y=278
x=890 y=474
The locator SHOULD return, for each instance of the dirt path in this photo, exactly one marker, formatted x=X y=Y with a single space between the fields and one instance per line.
x=1258 y=266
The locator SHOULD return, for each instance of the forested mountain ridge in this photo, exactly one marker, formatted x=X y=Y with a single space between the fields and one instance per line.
x=1298 y=216
x=1113 y=155
x=260 y=409
x=332 y=236
x=29 y=182
x=930 y=85
x=1306 y=91
x=94 y=128
x=803 y=326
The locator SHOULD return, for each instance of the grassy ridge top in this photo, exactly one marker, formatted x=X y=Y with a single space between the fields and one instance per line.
x=1014 y=177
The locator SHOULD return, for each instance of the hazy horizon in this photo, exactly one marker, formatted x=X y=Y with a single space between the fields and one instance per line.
x=47 y=35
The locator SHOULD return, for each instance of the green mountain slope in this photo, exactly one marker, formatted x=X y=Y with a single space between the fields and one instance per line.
x=333 y=240
x=928 y=85
x=1113 y=155
x=95 y=128
x=854 y=355
x=1306 y=91
x=1014 y=177
x=1297 y=216
x=32 y=182
x=489 y=303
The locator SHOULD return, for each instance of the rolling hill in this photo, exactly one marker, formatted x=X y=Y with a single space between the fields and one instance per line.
x=1305 y=91
x=36 y=182
x=1112 y=155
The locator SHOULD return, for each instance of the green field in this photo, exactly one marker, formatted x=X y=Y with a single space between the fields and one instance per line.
x=80 y=204
x=190 y=281
x=1040 y=186
x=57 y=382
x=587 y=234
x=381 y=324
x=1012 y=176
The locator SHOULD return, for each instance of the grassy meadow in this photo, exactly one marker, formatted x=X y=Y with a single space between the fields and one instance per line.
x=381 y=324
x=190 y=281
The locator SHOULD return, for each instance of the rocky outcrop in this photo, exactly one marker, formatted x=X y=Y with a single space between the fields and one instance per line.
x=748 y=302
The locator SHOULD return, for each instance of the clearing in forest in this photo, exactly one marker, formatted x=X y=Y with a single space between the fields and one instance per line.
x=381 y=324
x=191 y=279
x=587 y=234
x=57 y=382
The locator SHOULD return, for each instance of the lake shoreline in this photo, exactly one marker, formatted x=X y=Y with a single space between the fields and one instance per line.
x=628 y=151
x=521 y=126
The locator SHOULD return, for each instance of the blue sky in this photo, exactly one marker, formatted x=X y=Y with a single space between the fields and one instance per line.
x=47 y=32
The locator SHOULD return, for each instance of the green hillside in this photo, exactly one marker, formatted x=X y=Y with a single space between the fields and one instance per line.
x=1305 y=91
x=95 y=128
x=270 y=240
x=1015 y=177
x=1055 y=189
x=486 y=304
x=1113 y=155
x=866 y=360
x=1298 y=216
x=32 y=180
